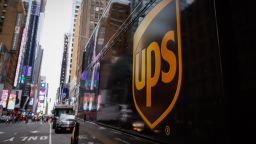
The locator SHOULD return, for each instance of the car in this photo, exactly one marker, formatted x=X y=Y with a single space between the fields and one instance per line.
x=65 y=123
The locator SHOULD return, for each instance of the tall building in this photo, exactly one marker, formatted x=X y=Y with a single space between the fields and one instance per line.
x=29 y=48
x=75 y=9
x=11 y=26
x=64 y=60
x=41 y=103
x=89 y=14
x=73 y=87
x=62 y=91
x=36 y=76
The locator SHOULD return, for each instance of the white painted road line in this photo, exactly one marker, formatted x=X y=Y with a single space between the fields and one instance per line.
x=2 y=132
x=50 y=135
x=27 y=138
x=102 y=128
x=34 y=131
x=121 y=140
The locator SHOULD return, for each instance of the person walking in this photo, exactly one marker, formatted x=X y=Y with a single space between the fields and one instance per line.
x=84 y=118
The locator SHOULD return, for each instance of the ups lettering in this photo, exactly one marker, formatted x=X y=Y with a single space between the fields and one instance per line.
x=145 y=74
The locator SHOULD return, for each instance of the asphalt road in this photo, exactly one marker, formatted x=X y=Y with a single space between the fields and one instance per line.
x=92 y=133
x=39 y=133
x=31 y=133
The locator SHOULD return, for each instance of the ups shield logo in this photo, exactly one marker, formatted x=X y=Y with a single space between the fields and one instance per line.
x=157 y=66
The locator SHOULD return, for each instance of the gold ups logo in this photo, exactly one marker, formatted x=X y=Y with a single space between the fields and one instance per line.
x=157 y=66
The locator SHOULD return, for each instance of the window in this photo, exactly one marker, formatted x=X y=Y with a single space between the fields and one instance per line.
x=2 y=17
x=3 y=11
x=5 y=5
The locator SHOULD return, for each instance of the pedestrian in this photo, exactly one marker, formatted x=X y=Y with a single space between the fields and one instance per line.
x=84 y=118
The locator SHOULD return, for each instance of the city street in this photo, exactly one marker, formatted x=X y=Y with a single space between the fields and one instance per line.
x=31 y=133
x=40 y=133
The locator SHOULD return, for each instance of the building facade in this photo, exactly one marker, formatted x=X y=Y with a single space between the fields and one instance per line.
x=75 y=9
x=88 y=16
x=28 y=50
x=12 y=20
x=63 y=87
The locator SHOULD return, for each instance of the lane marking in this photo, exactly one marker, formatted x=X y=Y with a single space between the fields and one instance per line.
x=118 y=139
x=23 y=138
x=32 y=138
x=50 y=135
x=116 y=132
x=11 y=139
x=91 y=123
x=83 y=137
x=34 y=131
x=102 y=128
x=27 y=138
x=2 y=132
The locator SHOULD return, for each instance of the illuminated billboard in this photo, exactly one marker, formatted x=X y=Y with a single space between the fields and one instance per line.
x=18 y=98
x=29 y=71
x=11 y=101
x=86 y=101
x=20 y=55
x=4 y=98
x=31 y=102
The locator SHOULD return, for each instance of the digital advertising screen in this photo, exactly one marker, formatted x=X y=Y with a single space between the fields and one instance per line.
x=11 y=101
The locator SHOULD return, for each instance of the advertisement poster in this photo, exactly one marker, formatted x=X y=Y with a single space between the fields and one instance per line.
x=4 y=98
x=86 y=101
x=18 y=98
x=31 y=102
x=11 y=101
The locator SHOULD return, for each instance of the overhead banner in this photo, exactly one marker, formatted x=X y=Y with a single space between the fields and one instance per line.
x=4 y=98
x=11 y=101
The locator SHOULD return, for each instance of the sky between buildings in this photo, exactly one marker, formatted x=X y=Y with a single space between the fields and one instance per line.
x=57 y=22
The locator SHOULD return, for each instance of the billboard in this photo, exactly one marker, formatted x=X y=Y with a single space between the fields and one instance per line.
x=19 y=59
x=18 y=98
x=4 y=98
x=11 y=101
x=86 y=101
x=89 y=101
x=41 y=98
x=42 y=91
x=29 y=71
x=31 y=102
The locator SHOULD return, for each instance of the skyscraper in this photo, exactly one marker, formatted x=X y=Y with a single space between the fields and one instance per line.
x=88 y=16
x=11 y=27
x=75 y=9
x=62 y=91
x=28 y=48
